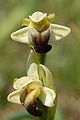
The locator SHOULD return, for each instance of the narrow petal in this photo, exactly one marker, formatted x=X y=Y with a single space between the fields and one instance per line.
x=47 y=96
x=59 y=31
x=24 y=82
x=33 y=71
x=15 y=96
x=26 y=22
x=51 y=17
x=22 y=35
x=46 y=76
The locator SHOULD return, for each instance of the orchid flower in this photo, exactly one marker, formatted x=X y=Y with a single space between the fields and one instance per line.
x=36 y=86
x=39 y=30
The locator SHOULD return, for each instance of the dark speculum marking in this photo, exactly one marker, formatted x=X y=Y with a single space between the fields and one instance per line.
x=42 y=48
x=34 y=110
x=40 y=41
x=32 y=107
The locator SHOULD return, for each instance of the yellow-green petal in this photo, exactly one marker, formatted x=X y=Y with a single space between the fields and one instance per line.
x=51 y=17
x=26 y=22
x=24 y=82
x=15 y=96
x=47 y=96
x=59 y=31
x=22 y=35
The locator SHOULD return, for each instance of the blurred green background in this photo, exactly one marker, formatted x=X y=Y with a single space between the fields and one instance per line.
x=63 y=60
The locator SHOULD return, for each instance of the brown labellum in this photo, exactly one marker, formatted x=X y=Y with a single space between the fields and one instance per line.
x=32 y=106
x=40 y=41
x=34 y=110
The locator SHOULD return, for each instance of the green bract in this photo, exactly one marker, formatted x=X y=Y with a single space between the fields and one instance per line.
x=36 y=85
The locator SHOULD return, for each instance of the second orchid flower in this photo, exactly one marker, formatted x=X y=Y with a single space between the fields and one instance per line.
x=37 y=86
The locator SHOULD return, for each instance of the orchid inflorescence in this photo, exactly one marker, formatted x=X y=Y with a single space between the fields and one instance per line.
x=37 y=90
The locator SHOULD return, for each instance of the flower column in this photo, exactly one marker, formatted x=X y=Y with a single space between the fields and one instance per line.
x=36 y=91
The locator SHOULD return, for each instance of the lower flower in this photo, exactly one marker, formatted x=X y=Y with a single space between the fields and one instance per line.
x=34 y=89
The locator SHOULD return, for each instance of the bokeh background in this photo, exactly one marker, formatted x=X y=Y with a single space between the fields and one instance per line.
x=63 y=60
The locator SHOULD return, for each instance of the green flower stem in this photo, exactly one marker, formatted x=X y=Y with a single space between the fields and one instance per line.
x=35 y=57
x=40 y=58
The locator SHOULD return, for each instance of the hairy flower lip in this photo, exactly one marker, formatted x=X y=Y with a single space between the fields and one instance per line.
x=40 y=41
x=34 y=110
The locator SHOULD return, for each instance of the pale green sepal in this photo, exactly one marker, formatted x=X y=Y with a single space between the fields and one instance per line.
x=59 y=31
x=42 y=74
x=23 y=82
x=47 y=96
x=38 y=16
x=22 y=35
x=33 y=71
x=46 y=76
x=15 y=96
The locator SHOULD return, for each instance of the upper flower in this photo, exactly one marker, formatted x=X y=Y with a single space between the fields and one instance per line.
x=38 y=31
x=38 y=85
